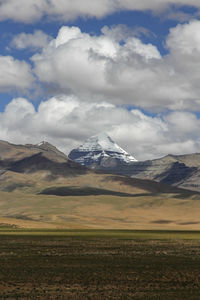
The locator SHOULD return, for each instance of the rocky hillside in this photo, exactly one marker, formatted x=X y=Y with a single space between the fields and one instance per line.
x=178 y=170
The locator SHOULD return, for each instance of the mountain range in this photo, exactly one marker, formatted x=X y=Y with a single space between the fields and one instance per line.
x=50 y=166
x=41 y=187
x=101 y=153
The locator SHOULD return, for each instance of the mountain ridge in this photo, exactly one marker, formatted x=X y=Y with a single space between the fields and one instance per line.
x=48 y=164
x=176 y=170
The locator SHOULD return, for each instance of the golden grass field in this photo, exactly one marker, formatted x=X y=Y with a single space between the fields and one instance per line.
x=161 y=211
x=147 y=207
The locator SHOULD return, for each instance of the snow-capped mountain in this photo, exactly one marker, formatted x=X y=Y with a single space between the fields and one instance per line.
x=101 y=152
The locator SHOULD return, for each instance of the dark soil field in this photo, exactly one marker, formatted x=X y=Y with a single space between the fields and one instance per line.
x=99 y=265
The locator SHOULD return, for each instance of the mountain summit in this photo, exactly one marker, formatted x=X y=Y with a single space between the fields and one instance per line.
x=100 y=151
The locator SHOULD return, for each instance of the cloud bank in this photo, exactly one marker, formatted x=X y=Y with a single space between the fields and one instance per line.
x=67 y=121
x=123 y=70
x=34 y=10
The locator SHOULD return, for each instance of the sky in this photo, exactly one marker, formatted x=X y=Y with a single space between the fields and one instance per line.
x=70 y=69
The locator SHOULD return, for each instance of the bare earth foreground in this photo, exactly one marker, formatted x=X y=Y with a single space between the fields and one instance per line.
x=99 y=264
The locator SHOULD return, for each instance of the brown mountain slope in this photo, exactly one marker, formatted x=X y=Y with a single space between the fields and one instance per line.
x=32 y=158
x=176 y=170
x=14 y=152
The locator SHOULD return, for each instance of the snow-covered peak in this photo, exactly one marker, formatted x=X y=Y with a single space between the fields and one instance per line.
x=101 y=142
x=98 y=149
x=107 y=143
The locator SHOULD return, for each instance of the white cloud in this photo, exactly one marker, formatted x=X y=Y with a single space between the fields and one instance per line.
x=33 y=41
x=102 y=68
x=97 y=66
x=182 y=123
x=14 y=74
x=154 y=5
x=22 y=10
x=67 y=121
x=185 y=39
x=66 y=10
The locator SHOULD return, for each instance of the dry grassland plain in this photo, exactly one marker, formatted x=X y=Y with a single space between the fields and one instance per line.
x=161 y=211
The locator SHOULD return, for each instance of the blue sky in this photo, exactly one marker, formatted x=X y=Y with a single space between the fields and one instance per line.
x=158 y=28
x=130 y=68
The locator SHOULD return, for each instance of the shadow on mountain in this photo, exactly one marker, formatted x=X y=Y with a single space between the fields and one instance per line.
x=91 y=191
x=81 y=191
x=177 y=173
x=152 y=187
x=39 y=162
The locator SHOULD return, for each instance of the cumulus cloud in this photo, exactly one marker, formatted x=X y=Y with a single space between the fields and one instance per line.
x=132 y=72
x=97 y=66
x=14 y=74
x=34 y=10
x=185 y=39
x=66 y=122
x=32 y=41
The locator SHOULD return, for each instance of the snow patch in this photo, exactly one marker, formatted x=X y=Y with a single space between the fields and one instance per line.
x=41 y=143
